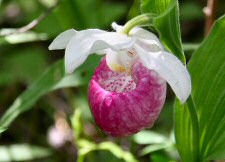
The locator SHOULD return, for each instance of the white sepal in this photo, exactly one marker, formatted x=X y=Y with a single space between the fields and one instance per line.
x=169 y=68
x=91 y=41
x=146 y=39
x=61 y=41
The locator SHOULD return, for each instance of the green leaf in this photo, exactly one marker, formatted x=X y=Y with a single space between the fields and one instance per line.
x=134 y=10
x=52 y=79
x=195 y=8
x=149 y=137
x=166 y=23
x=159 y=157
x=190 y=47
x=21 y=38
x=157 y=141
x=77 y=123
x=28 y=62
x=23 y=152
x=2 y=129
x=87 y=147
x=155 y=147
x=48 y=3
x=79 y=14
x=207 y=68
x=117 y=151
x=187 y=131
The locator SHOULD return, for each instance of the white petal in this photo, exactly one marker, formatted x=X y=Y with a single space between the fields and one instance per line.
x=143 y=34
x=91 y=41
x=112 y=60
x=146 y=40
x=61 y=41
x=170 y=68
x=116 y=27
x=119 y=61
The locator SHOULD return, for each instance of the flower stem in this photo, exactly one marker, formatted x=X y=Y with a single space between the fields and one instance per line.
x=141 y=20
x=210 y=13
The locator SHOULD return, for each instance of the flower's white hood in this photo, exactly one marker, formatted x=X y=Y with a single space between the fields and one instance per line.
x=121 y=51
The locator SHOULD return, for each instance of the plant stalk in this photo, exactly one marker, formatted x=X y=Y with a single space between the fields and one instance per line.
x=141 y=20
x=210 y=13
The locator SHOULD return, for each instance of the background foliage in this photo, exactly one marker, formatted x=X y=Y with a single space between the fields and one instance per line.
x=44 y=113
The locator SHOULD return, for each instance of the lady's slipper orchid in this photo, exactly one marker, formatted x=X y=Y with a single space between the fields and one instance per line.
x=128 y=88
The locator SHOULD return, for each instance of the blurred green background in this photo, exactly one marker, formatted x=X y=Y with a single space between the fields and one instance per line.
x=59 y=127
